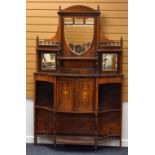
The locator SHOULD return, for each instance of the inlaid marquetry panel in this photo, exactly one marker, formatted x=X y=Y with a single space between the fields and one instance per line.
x=85 y=94
x=65 y=88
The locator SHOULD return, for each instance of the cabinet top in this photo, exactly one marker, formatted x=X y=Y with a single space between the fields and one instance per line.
x=78 y=75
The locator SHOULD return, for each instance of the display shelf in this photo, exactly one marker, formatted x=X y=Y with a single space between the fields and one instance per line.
x=75 y=112
x=77 y=58
x=82 y=140
x=47 y=49
x=110 y=110
x=44 y=108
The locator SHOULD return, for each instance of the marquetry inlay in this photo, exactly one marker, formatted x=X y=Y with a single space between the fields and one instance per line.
x=65 y=90
x=85 y=95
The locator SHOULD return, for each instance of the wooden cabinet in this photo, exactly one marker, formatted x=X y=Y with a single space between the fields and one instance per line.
x=78 y=82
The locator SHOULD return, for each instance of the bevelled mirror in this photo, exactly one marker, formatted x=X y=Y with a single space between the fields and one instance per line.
x=48 y=61
x=79 y=33
x=109 y=62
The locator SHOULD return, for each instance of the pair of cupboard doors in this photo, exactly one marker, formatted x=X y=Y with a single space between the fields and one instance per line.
x=75 y=94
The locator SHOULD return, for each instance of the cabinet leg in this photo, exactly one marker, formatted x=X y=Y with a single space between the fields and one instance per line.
x=54 y=131
x=35 y=140
x=54 y=144
x=96 y=146
x=120 y=143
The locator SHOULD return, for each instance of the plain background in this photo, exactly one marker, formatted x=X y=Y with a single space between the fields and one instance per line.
x=13 y=77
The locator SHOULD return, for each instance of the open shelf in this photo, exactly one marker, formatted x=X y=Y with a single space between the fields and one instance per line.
x=44 y=95
x=44 y=108
x=76 y=112
x=110 y=110
x=77 y=58
x=106 y=138
x=109 y=50
x=45 y=49
x=45 y=132
x=82 y=140
x=109 y=97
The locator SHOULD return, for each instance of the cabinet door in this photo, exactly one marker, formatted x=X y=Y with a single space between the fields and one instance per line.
x=65 y=92
x=85 y=97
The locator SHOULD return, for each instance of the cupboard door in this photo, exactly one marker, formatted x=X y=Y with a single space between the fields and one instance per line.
x=85 y=95
x=65 y=92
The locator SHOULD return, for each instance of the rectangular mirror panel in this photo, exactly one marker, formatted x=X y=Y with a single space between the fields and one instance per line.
x=48 y=61
x=109 y=62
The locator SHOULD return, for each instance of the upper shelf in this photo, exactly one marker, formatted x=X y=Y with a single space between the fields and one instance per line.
x=77 y=57
x=47 y=49
x=109 y=50
x=110 y=44
x=47 y=45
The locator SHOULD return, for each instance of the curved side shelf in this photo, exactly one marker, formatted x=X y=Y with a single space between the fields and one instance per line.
x=76 y=112
x=44 y=108
x=44 y=132
x=102 y=139
x=111 y=110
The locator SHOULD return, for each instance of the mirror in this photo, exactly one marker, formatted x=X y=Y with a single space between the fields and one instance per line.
x=79 y=34
x=109 y=62
x=48 y=61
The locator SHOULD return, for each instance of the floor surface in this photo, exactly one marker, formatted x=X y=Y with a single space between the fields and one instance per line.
x=41 y=149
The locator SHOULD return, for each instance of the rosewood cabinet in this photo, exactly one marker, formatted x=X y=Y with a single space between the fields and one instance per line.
x=78 y=82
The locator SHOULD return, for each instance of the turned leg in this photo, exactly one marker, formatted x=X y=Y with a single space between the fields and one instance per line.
x=35 y=140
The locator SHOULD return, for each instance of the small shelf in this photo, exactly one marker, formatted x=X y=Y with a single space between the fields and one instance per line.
x=44 y=108
x=76 y=112
x=48 y=49
x=77 y=58
x=45 y=132
x=109 y=50
x=75 y=139
x=110 y=110
x=102 y=139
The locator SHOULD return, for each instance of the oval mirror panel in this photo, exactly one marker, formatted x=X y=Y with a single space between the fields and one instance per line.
x=79 y=33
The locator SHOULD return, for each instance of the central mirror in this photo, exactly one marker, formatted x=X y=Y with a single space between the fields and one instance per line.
x=79 y=33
